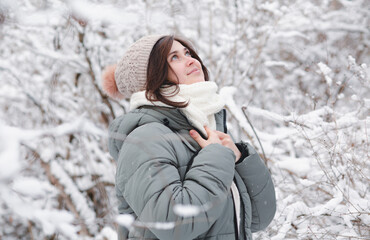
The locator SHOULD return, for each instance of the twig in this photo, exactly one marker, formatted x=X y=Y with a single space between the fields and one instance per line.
x=244 y=131
x=30 y=229
x=92 y=74
x=28 y=95
x=54 y=181
x=258 y=139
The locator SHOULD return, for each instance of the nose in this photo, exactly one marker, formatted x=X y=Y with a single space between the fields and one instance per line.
x=190 y=61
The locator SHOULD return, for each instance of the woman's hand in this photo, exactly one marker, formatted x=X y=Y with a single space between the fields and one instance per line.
x=216 y=137
x=228 y=142
x=212 y=137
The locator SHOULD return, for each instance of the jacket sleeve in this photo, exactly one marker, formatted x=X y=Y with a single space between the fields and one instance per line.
x=260 y=187
x=148 y=177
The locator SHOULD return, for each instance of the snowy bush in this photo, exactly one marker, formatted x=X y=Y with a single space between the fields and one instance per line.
x=297 y=71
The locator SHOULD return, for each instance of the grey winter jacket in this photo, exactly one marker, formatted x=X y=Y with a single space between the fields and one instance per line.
x=159 y=165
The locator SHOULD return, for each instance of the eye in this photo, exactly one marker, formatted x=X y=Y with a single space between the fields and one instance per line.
x=174 y=57
x=187 y=53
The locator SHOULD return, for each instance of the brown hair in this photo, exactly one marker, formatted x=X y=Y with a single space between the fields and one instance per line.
x=157 y=72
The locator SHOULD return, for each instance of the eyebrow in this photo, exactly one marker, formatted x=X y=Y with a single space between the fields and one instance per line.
x=185 y=48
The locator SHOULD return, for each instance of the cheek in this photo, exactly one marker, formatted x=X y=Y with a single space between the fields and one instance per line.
x=171 y=76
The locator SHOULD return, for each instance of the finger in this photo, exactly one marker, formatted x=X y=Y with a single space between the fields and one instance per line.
x=222 y=135
x=227 y=142
x=195 y=135
x=208 y=130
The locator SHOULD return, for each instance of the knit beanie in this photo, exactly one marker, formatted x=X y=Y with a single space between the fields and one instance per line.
x=129 y=75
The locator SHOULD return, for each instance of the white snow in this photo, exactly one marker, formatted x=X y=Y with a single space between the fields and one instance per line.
x=87 y=214
x=104 y=13
x=125 y=220
x=107 y=233
x=128 y=221
x=299 y=166
x=326 y=71
x=157 y=225
x=32 y=187
x=56 y=220
x=186 y=210
x=10 y=163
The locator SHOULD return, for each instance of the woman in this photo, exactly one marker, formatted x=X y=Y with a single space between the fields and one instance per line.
x=172 y=150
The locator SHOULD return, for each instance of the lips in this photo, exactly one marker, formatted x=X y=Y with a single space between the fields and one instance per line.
x=193 y=70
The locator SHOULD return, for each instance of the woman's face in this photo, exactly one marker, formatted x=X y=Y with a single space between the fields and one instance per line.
x=183 y=68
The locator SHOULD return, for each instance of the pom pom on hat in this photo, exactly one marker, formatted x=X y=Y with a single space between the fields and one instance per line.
x=109 y=83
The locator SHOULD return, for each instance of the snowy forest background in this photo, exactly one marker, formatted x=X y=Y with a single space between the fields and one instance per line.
x=297 y=69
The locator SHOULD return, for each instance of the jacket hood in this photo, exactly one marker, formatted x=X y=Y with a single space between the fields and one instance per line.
x=171 y=117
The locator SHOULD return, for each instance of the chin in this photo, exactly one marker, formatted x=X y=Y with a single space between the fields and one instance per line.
x=191 y=80
x=196 y=81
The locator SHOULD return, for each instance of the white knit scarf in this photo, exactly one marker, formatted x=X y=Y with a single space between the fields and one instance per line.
x=203 y=101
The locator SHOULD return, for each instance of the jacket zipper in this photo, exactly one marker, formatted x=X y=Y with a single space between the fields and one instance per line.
x=242 y=204
x=224 y=120
x=196 y=129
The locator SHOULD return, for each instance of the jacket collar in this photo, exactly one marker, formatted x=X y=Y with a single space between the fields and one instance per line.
x=171 y=117
x=175 y=119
